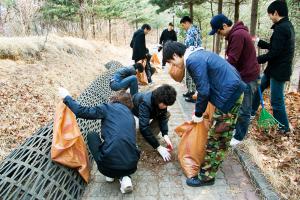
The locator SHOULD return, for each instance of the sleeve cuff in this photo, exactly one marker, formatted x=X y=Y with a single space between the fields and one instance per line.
x=198 y=114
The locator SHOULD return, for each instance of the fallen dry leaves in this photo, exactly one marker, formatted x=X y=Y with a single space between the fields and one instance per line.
x=278 y=156
x=28 y=90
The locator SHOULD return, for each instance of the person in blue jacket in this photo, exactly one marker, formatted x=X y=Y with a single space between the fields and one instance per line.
x=116 y=154
x=125 y=77
x=216 y=82
x=151 y=109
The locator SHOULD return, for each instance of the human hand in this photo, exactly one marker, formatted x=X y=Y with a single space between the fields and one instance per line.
x=164 y=153
x=62 y=92
x=169 y=143
x=255 y=39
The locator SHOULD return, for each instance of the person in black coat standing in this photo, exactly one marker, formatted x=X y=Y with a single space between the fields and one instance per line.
x=138 y=43
x=116 y=154
x=153 y=106
x=279 y=57
x=166 y=35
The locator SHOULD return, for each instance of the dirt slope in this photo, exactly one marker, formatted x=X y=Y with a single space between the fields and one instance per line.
x=30 y=74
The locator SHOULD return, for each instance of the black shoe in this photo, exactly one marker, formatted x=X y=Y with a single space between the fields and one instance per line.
x=284 y=132
x=190 y=99
x=196 y=182
x=188 y=94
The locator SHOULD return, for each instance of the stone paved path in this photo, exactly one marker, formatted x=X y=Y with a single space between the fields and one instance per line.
x=166 y=180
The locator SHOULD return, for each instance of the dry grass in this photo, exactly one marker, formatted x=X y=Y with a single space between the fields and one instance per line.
x=30 y=77
x=279 y=156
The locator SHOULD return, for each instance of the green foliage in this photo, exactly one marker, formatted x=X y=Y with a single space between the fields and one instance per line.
x=135 y=11
x=109 y=9
x=60 y=9
x=9 y=3
x=167 y=4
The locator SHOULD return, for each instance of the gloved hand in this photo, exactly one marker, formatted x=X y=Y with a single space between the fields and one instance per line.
x=163 y=151
x=197 y=119
x=169 y=143
x=62 y=92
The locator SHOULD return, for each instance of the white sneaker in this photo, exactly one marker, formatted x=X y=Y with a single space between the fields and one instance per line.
x=108 y=179
x=126 y=185
x=234 y=142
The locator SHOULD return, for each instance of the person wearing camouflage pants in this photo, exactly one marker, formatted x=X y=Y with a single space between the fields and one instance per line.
x=220 y=84
x=219 y=137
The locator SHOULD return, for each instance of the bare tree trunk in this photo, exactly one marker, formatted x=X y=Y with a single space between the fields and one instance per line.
x=124 y=32
x=1 y=22
x=220 y=7
x=109 y=30
x=299 y=84
x=93 y=26
x=236 y=10
x=191 y=10
x=81 y=3
x=212 y=14
x=157 y=35
x=254 y=8
x=136 y=23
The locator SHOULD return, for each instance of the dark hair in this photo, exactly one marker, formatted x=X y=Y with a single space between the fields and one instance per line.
x=165 y=94
x=139 y=67
x=122 y=97
x=172 y=47
x=185 y=19
x=171 y=24
x=146 y=26
x=280 y=7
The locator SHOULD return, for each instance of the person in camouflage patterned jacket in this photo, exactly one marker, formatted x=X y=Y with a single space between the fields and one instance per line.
x=193 y=38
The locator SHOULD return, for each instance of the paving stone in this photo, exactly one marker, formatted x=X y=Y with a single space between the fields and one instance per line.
x=169 y=182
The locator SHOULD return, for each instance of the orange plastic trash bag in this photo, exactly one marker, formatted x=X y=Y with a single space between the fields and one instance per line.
x=68 y=146
x=192 y=146
x=154 y=59
x=142 y=77
x=177 y=73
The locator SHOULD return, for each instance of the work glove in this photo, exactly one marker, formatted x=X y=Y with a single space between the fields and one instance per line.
x=62 y=92
x=163 y=151
x=196 y=119
x=169 y=143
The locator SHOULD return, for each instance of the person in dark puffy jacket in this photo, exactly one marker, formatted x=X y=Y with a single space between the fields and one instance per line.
x=241 y=54
x=125 y=77
x=116 y=154
x=216 y=82
x=153 y=106
x=280 y=58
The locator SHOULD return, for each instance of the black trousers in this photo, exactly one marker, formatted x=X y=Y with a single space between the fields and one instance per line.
x=95 y=144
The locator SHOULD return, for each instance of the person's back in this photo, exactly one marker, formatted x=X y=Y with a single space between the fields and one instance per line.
x=241 y=52
x=125 y=78
x=124 y=72
x=217 y=78
x=118 y=131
